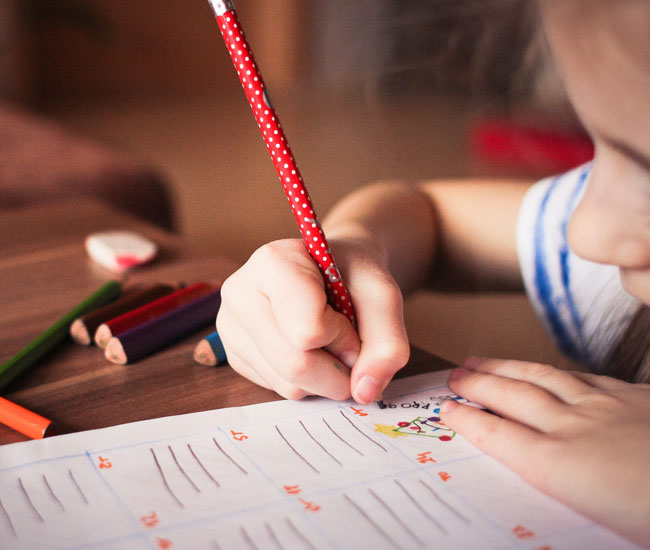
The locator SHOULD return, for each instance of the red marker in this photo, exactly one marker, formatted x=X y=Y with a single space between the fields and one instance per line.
x=285 y=164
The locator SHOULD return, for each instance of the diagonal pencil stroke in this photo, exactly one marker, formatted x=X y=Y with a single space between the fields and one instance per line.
x=320 y=444
x=189 y=479
x=29 y=501
x=202 y=466
x=273 y=536
x=247 y=538
x=419 y=507
x=228 y=456
x=371 y=521
x=396 y=517
x=343 y=440
x=54 y=497
x=299 y=534
x=448 y=506
x=364 y=435
x=8 y=518
x=164 y=479
x=296 y=452
x=74 y=481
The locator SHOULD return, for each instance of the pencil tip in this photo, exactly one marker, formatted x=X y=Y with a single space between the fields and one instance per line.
x=204 y=355
x=381 y=404
x=102 y=335
x=79 y=333
x=115 y=352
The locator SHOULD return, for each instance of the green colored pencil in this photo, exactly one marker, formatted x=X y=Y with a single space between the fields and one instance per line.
x=57 y=333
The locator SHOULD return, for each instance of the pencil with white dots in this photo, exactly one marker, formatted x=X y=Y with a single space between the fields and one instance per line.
x=278 y=146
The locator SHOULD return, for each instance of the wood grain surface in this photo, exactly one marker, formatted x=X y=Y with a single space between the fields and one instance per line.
x=45 y=271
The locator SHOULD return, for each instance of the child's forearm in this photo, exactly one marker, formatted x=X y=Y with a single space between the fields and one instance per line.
x=458 y=234
x=394 y=219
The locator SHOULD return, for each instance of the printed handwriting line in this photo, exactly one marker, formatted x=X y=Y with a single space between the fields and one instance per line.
x=228 y=456
x=248 y=538
x=74 y=481
x=371 y=521
x=343 y=440
x=202 y=466
x=296 y=452
x=164 y=480
x=299 y=534
x=419 y=507
x=320 y=444
x=273 y=536
x=397 y=518
x=189 y=479
x=448 y=506
x=8 y=518
x=54 y=497
x=364 y=435
x=29 y=501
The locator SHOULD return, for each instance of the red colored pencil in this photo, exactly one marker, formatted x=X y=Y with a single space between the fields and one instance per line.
x=149 y=311
x=278 y=146
x=83 y=329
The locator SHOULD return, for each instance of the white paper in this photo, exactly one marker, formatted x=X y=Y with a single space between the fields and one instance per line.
x=312 y=474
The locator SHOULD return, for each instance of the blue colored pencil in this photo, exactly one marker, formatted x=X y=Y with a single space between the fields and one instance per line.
x=210 y=351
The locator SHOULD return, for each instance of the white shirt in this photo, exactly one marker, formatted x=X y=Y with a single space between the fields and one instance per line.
x=582 y=304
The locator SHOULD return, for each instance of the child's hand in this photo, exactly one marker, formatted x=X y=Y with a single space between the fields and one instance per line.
x=581 y=438
x=279 y=331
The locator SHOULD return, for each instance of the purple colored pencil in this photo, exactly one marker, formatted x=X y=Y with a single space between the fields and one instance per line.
x=148 y=337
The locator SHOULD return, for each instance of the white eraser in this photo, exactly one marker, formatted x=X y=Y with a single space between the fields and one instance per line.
x=120 y=250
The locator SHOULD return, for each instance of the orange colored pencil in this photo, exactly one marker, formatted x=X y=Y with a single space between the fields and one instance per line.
x=24 y=421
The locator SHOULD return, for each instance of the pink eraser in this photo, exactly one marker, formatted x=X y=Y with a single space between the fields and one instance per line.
x=120 y=250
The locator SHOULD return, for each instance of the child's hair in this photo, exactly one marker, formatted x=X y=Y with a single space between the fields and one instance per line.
x=489 y=50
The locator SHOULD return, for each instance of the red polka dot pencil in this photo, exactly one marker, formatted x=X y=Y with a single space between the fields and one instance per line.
x=278 y=146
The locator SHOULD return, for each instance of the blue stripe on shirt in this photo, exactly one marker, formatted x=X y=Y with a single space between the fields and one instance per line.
x=564 y=264
x=543 y=284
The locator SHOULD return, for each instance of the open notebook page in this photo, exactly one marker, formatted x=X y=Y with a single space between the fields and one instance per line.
x=313 y=474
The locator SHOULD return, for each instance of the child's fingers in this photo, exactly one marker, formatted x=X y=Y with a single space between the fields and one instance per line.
x=261 y=348
x=601 y=382
x=298 y=302
x=560 y=383
x=519 y=447
x=514 y=399
x=385 y=348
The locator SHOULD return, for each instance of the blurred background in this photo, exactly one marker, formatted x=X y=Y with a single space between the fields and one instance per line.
x=136 y=103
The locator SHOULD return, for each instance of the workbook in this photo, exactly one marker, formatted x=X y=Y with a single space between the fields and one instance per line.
x=310 y=474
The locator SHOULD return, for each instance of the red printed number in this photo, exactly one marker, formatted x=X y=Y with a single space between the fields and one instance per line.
x=164 y=544
x=151 y=520
x=292 y=489
x=424 y=457
x=359 y=412
x=104 y=463
x=310 y=506
x=521 y=532
x=239 y=436
x=444 y=476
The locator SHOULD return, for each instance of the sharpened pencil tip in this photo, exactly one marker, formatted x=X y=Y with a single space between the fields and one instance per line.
x=79 y=333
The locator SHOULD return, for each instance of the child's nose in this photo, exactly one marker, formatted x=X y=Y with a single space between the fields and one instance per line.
x=613 y=230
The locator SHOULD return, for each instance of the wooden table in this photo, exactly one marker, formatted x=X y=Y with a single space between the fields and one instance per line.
x=45 y=272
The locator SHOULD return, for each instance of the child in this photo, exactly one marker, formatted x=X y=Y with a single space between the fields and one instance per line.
x=582 y=438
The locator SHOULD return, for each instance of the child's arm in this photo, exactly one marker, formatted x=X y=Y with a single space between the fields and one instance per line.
x=387 y=239
x=581 y=438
